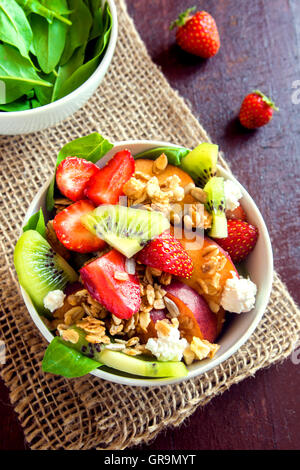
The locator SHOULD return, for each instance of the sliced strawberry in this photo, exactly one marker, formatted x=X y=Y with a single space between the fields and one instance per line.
x=167 y=254
x=106 y=186
x=241 y=239
x=70 y=231
x=72 y=175
x=237 y=214
x=101 y=279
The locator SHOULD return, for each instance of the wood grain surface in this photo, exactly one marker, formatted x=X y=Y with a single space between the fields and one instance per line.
x=260 y=47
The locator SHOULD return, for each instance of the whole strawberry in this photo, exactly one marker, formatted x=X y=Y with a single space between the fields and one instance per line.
x=197 y=34
x=256 y=110
x=168 y=255
x=241 y=239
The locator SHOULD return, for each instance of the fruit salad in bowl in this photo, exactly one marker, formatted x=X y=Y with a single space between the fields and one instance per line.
x=143 y=263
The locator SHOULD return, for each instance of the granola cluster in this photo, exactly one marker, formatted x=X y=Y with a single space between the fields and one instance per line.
x=145 y=189
x=212 y=266
x=97 y=324
x=166 y=196
x=199 y=349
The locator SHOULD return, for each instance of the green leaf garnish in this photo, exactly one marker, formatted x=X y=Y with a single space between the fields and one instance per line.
x=62 y=360
x=36 y=222
x=174 y=154
x=92 y=147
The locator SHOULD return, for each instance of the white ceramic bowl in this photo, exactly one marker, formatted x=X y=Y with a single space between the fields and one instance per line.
x=259 y=264
x=32 y=120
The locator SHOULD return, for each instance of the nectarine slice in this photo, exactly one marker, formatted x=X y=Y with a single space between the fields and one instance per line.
x=188 y=325
x=207 y=282
x=195 y=319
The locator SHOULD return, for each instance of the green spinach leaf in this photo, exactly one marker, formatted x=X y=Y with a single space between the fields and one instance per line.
x=96 y=11
x=60 y=7
x=21 y=104
x=14 y=91
x=36 y=222
x=65 y=71
x=62 y=360
x=48 y=40
x=25 y=102
x=17 y=73
x=78 y=33
x=87 y=69
x=14 y=27
x=35 y=6
x=44 y=94
x=34 y=35
x=91 y=147
x=35 y=103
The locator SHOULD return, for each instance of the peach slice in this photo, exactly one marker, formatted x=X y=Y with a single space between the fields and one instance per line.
x=201 y=277
x=195 y=318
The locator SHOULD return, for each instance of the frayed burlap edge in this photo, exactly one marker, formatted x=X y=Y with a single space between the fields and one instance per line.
x=134 y=102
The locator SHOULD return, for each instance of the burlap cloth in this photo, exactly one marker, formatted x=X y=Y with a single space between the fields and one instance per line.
x=134 y=102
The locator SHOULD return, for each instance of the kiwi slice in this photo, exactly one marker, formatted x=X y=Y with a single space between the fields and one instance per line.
x=40 y=270
x=119 y=361
x=125 y=228
x=201 y=163
x=215 y=204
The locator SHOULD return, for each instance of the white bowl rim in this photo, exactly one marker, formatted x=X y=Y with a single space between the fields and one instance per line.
x=104 y=64
x=140 y=382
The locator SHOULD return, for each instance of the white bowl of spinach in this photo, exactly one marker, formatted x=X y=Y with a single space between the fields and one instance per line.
x=53 y=55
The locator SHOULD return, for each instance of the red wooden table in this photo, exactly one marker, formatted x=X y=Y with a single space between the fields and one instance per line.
x=260 y=49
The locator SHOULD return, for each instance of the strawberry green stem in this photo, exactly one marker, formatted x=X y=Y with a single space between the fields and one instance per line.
x=182 y=18
x=267 y=100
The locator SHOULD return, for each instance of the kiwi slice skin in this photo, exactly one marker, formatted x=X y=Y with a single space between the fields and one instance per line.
x=201 y=163
x=126 y=229
x=215 y=204
x=40 y=270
